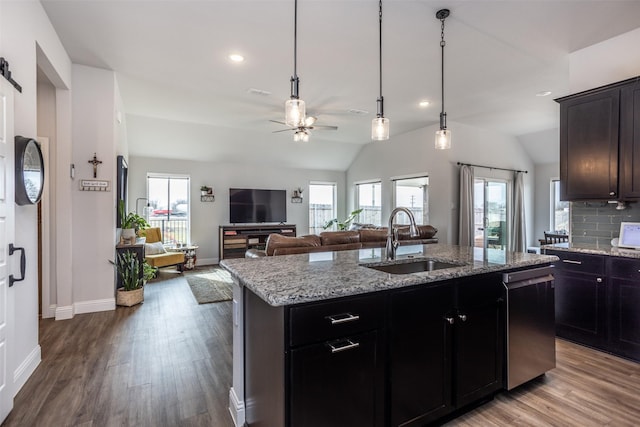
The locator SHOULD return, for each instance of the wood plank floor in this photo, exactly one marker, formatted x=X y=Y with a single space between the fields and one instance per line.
x=167 y=362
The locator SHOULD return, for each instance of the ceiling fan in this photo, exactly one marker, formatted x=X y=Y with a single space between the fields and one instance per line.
x=302 y=132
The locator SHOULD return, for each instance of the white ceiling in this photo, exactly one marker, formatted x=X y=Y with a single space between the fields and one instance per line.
x=177 y=83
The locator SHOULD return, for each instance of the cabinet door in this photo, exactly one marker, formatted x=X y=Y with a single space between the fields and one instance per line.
x=625 y=303
x=479 y=340
x=581 y=307
x=630 y=142
x=338 y=383
x=420 y=352
x=589 y=146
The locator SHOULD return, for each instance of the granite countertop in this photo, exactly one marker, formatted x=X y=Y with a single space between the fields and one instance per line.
x=293 y=279
x=589 y=248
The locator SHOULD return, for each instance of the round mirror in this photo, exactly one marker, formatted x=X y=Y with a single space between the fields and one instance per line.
x=29 y=171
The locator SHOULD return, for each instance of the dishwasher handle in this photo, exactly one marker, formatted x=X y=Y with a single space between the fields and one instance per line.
x=523 y=275
x=521 y=284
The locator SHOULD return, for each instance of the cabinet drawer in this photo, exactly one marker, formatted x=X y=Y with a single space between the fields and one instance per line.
x=327 y=320
x=579 y=263
x=625 y=268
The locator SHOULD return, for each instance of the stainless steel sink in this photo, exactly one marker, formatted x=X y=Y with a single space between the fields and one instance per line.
x=414 y=266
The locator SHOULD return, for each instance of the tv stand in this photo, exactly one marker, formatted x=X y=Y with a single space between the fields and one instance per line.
x=236 y=239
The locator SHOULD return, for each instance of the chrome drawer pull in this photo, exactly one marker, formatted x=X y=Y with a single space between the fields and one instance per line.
x=568 y=261
x=450 y=320
x=347 y=346
x=348 y=317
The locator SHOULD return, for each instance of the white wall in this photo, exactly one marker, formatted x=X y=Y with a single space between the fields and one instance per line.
x=24 y=27
x=94 y=131
x=414 y=152
x=206 y=217
x=607 y=62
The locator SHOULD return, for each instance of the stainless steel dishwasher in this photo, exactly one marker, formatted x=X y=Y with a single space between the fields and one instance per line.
x=531 y=345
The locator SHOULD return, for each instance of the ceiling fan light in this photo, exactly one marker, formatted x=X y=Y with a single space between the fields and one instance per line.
x=443 y=139
x=295 y=112
x=380 y=129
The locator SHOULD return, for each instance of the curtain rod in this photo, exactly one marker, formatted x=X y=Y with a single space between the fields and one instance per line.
x=490 y=167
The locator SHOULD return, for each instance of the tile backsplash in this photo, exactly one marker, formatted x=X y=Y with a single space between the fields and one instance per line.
x=599 y=222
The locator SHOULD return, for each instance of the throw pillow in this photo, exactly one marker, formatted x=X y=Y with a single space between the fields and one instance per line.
x=155 y=248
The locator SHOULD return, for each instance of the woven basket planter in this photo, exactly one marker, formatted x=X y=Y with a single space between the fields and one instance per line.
x=129 y=298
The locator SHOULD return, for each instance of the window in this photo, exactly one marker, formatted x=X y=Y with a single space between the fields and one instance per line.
x=413 y=194
x=559 y=210
x=169 y=207
x=370 y=201
x=322 y=205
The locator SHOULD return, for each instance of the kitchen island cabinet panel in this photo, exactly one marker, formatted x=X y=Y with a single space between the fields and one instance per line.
x=479 y=341
x=338 y=383
x=421 y=365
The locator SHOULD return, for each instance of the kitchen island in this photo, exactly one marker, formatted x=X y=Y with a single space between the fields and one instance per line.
x=328 y=339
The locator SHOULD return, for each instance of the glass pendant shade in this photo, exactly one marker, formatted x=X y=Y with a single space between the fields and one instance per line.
x=380 y=129
x=301 y=136
x=443 y=139
x=294 y=112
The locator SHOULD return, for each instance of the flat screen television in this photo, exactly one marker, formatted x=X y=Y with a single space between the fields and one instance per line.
x=629 y=235
x=247 y=206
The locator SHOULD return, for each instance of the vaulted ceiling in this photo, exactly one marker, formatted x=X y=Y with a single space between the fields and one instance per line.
x=184 y=98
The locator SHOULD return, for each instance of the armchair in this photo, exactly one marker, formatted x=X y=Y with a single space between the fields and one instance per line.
x=155 y=254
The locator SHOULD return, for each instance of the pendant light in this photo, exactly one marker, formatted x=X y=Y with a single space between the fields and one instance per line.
x=380 y=125
x=294 y=107
x=443 y=136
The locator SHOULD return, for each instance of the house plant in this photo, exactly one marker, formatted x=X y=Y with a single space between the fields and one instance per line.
x=205 y=190
x=130 y=223
x=129 y=269
x=343 y=225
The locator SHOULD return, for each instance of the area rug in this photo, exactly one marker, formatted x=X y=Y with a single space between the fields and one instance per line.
x=210 y=285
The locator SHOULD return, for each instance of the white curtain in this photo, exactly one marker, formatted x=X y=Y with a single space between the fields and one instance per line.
x=465 y=224
x=519 y=233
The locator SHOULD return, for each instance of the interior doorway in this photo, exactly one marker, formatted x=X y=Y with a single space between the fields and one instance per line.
x=491 y=213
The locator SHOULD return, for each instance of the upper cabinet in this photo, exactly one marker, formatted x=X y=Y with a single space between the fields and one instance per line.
x=599 y=142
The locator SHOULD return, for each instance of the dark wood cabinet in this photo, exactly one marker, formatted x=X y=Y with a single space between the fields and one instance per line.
x=479 y=339
x=598 y=127
x=630 y=142
x=625 y=304
x=331 y=376
x=420 y=356
x=597 y=300
x=580 y=297
x=428 y=378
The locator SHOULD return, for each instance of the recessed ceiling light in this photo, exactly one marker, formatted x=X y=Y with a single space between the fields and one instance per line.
x=544 y=93
x=424 y=104
x=235 y=57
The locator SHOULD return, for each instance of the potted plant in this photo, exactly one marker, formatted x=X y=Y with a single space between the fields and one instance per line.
x=205 y=190
x=343 y=225
x=129 y=268
x=130 y=223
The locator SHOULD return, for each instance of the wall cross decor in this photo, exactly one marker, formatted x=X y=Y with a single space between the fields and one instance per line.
x=95 y=162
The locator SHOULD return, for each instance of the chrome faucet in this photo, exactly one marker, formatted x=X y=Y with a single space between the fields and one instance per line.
x=392 y=233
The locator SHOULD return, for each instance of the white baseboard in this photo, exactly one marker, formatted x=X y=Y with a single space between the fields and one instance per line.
x=236 y=407
x=50 y=312
x=26 y=368
x=94 y=306
x=207 y=261
x=64 y=313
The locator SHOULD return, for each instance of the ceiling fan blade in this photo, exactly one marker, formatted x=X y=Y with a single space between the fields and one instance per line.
x=283 y=130
x=280 y=123
x=325 y=127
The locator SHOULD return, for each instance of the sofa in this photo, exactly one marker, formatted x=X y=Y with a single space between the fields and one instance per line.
x=154 y=252
x=327 y=241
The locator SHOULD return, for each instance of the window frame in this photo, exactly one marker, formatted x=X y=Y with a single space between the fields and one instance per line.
x=317 y=228
x=424 y=218
x=357 y=199
x=169 y=177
